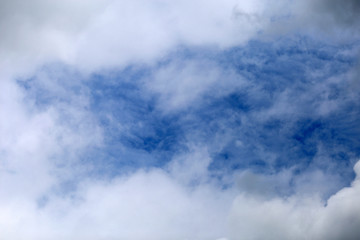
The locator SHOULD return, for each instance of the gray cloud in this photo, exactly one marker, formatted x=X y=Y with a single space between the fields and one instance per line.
x=345 y=13
x=298 y=218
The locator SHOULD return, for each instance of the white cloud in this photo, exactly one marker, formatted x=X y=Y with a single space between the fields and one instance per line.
x=144 y=205
x=298 y=217
x=39 y=31
x=37 y=144
x=101 y=34
x=178 y=203
x=182 y=83
x=155 y=204
x=139 y=30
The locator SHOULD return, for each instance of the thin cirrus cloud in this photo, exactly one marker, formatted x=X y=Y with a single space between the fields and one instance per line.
x=179 y=120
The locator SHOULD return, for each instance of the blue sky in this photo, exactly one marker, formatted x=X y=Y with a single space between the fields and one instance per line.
x=180 y=120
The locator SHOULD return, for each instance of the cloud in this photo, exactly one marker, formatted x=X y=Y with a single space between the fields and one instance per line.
x=178 y=120
x=100 y=35
x=159 y=26
x=40 y=145
x=336 y=20
x=146 y=204
x=36 y=32
x=106 y=33
x=181 y=83
x=154 y=204
x=335 y=12
x=186 y=197
x=298 y=218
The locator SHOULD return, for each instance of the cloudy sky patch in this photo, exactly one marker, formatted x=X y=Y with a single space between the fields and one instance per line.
x=179 y=120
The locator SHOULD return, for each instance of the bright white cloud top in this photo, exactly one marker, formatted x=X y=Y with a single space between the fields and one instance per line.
x=179 y=119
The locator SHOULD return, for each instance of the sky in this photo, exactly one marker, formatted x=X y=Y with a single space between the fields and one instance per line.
x=181 y=120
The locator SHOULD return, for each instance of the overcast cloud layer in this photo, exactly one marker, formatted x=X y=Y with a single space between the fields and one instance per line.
x=179 y=119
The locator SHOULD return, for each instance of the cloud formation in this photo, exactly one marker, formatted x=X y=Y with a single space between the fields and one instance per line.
x=179 y=120
x=298 y=218
x=154 y=204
